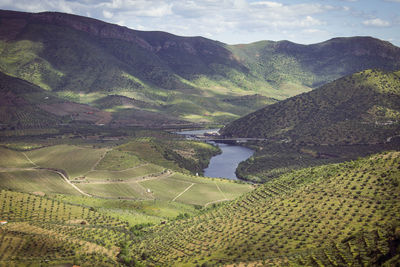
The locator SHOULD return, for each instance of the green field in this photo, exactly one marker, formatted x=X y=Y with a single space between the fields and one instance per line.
x=115 y=190
x=168 y=187
x=76 y=161
x=128 y=174
x=97 y=172
x=13 y=159
x=194 y=190
x=115 y=160
x=35 y=181
x=134 y=212
x=165 y=189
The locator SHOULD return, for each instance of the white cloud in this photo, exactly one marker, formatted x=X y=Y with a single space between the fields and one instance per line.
x=314 y=31
x=107 y=14
x=268 y=4
x=232 y=20
x=376 y=23
x=310 y=21
x=146 y=8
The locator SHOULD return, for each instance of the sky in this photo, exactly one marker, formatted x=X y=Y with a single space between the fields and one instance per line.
x=238 y=21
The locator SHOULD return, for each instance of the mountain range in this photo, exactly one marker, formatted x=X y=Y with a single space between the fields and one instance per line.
x=191 y=78
x=87 y=178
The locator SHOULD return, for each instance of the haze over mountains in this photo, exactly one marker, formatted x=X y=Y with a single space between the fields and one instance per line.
x=190 y=78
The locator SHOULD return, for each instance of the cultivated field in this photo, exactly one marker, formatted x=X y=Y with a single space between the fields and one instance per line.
x=41 y=181
x=47 y=231
x=74 y=160
x=122 y=172
x=333 y=215
x=13 y=159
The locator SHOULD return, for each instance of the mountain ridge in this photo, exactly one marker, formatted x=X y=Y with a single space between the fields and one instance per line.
x=83 y=60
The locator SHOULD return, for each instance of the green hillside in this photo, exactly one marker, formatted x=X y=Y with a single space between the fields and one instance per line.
x=363 y=108
x=88 y=177
x=85 y=60
x=18 y=105
x=285 y=64
x=27 y=108
x=335 y=215
x=352 y=117
x=191 y=78
x=47 y=231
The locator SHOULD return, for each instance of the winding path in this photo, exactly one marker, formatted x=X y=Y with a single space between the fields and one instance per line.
x=59 y=173
x=69 y=182
x=26 y=156
x=220 y=190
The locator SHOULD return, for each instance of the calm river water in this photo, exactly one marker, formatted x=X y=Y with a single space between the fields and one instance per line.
x=224 y=165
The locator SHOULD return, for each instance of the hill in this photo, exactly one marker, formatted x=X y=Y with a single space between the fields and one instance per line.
x=338 y=214
x=27 y=106
x=42 y=231
x=18 y=107
x=285 y=64
x=363 y=108
x=334 y=215
x=84 y=60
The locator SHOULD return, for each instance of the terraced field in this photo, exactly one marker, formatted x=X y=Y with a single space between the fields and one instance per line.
x=46 y=231
x=13 y=159
x=67 y=227
x=342 y=214
x=168 y=186
x=35 y=180
x=136 y=172
x=339 y=214
x=74 y=160
x=134 y=212
x=195 y=190
x=115 y=160
x=123 y=172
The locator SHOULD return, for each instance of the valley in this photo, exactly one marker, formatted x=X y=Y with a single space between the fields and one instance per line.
x=145 y=78
x=95 y=170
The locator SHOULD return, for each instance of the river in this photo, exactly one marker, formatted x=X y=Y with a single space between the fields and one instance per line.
x=224 y=165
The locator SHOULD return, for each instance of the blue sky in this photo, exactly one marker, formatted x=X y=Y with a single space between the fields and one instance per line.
x=239 y=21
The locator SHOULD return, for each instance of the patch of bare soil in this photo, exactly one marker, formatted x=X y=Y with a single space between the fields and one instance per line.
x=39 y=193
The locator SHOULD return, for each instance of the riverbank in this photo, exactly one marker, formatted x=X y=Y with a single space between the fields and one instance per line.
x=223 y=165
